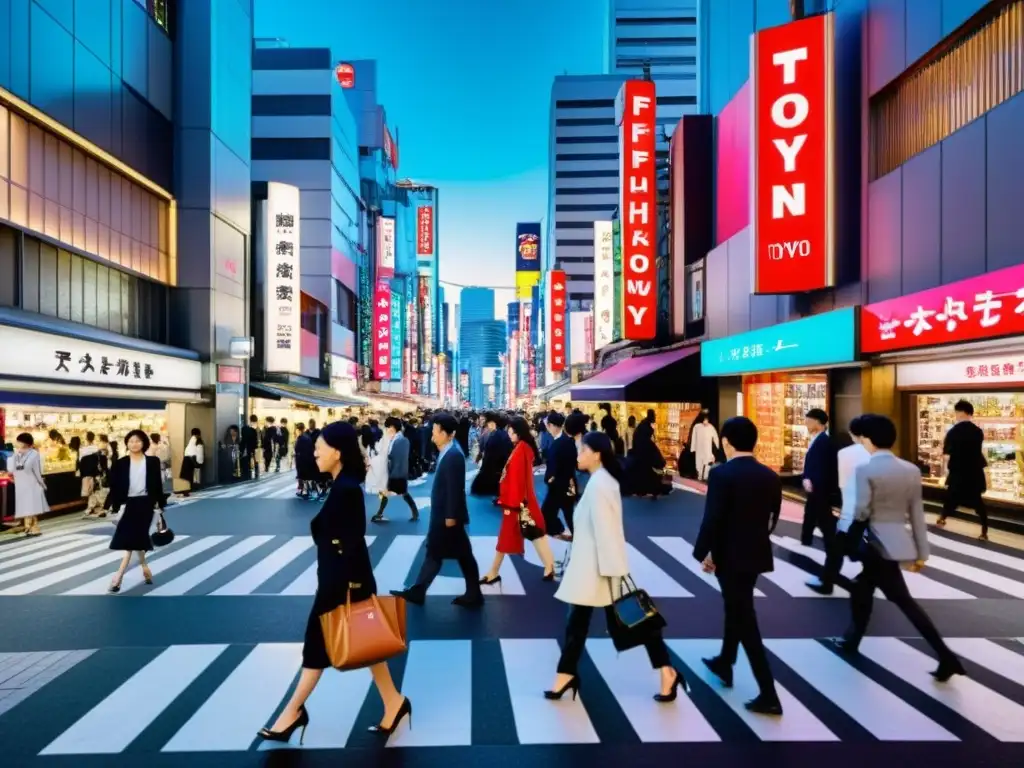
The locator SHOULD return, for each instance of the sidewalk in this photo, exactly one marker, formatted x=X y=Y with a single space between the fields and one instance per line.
x=1000 y=531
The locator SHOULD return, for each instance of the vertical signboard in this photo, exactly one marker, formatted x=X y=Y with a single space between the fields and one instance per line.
x=382 y=330
x=792 y=185
x=525 y=347
x=557 y=333
x=345 y=74
x=617 y=277
x=427 y=315
x=385 y=247
x=604 y=284
x=638 y=201
x=282 y=352
x=365 y=319
x=424 y=230
x=390 y=148
x=397 y=337
x=527 y=257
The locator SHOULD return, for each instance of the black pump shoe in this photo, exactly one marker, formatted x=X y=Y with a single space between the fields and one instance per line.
x=573 y=685
x=403 y=711
x=679 y=682
x=302 y=721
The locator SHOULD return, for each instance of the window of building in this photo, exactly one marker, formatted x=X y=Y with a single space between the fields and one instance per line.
x=582 y=121
x=585 y=190
x=588 y=156
x=345 y=301
x=8 y=268
x=575 y=225
x=966 y=77
x=656 y=21
x=584 y=103
x=159 y=11
x=563 y=241
x=570 y=207
x=656 y=41
x=587 y=139
x=613 y=173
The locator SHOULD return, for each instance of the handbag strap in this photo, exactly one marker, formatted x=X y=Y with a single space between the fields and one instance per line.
x=624 y=582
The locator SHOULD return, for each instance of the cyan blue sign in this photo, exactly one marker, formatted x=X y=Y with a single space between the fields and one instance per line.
x=812 y=342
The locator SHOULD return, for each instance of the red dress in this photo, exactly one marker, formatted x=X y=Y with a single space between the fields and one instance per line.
x=516 y=487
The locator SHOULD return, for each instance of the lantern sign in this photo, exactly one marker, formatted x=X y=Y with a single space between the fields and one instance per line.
x=346 y=75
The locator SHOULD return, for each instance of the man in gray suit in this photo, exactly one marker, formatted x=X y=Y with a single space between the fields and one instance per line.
x=888 y=497
x=398 y=470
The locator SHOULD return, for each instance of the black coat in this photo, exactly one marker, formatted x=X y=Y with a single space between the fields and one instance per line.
x=305 y=461
x=560 y=469
x=741 y=510
x=496 y=452
x=821 y=467
x=963 y=445
x=342 y=557
x=120 y=479
x=447 y=502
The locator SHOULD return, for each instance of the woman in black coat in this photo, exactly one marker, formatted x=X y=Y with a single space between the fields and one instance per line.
x=136 y=484
x=343 y=572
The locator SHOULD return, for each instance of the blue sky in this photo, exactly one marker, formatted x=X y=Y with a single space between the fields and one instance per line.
x=468 y=83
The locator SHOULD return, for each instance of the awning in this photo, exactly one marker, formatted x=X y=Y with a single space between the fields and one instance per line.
x=318 y=396
x=552 y=390
x=665 y=377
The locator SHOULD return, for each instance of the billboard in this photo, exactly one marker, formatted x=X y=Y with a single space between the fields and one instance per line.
x=557 y=332
x=390 y=149
x=397 y=336
x=792 y=187
x=604 y=284
x=385 y=247
x=282 y=352
x=345 y=74
x=638 y=201
x=382 y=330
x=527 y=258
x=424 y=230
x=427 y=322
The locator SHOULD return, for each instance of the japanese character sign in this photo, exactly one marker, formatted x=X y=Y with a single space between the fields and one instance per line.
x=382 y=330
x=556 y=279
x=282 y=301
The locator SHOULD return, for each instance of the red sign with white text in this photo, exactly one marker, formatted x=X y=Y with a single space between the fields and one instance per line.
x=559 y=315
x=792 y=185
x=382 y=330
x=390 y=149
x=983 y=307
x=638 y=208
x=424 y=231
x=346 y=75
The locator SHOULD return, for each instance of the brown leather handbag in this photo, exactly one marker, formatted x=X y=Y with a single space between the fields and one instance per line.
x=361 y=634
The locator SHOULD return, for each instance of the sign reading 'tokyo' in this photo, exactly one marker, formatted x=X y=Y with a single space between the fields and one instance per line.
x=815 y=341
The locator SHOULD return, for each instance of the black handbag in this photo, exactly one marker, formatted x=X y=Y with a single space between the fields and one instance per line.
x=634 y=616
x=163 y=535
x=529 y=528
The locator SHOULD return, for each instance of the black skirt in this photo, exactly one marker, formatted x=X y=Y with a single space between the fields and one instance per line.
x=399 y=485
x=132 y=532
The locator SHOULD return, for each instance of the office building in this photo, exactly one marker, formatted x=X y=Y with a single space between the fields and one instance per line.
x=662 y=35
x=481 y=338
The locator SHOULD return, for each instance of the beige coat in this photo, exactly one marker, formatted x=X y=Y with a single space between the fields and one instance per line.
x=29 y=487
x=598 y=559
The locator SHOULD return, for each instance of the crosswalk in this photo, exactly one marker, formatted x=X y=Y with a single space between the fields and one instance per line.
x=275 y=486
x=213 y=698
x=81 y=563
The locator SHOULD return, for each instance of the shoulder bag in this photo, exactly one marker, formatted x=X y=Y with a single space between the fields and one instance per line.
x=163 y=535
x=529 y=529
x=362 y=634
x=634 y=617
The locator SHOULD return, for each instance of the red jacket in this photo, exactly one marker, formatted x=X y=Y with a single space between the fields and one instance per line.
x=517 y=482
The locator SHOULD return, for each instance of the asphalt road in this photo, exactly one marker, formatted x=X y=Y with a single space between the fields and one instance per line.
x=184 y=672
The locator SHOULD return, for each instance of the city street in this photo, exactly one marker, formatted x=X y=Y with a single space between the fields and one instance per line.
x=184 y=672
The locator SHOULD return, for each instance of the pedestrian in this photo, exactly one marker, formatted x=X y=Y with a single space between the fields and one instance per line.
x=965 y=481
x=888 y=493
x=398 y=470
x=29 y=486
x=704 y=443
x=598 y=564
x=283 y=438
x=741 y=510
x=820 y=480
x=559 y=478
x=447 y=538
x=250 y=446
x=269 y=441
x=305 y=462
x=137 y=485
x=344 y=575
x=192 y=461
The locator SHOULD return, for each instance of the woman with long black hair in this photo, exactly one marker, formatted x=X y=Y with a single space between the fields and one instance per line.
x=515 y=492
x=596 y=568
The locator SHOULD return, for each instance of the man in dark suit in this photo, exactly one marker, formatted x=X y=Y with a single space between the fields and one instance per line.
x=560 y=478
x=965 y=463
x=398 y=470
x=820 y=480
x=741 y=510
x=249 y=445
x=449 y=515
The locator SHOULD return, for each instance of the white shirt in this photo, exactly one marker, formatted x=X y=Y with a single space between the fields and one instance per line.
x=137 y=478
x=849 y=458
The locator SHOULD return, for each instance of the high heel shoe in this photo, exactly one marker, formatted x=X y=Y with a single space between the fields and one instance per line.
x=671 y=695
x=147 y=575
x=403 y=711
x=115 y=586
x=573 y=685
x=286 y=735
x=488 y=581
x=550 y=576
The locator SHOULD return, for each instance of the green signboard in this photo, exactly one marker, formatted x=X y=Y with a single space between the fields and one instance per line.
x=617 y=271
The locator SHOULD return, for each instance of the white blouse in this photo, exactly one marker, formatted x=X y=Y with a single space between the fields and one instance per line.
x=137 y=478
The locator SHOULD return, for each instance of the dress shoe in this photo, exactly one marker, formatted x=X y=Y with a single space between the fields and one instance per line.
x=466 y=601
x=819 y=587
x=844 y=646
x=947 y=669
x=764 y=705
x=412 y=595
x=720 y=669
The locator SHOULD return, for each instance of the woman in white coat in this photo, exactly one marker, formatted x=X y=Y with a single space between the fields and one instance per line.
x=29 y=488
x=703 y=443
x=376 y=462
x=596 y=567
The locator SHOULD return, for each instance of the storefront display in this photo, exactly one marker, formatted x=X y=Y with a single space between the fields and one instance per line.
x=777 y=403
x=671 y=427
x=1000 y=416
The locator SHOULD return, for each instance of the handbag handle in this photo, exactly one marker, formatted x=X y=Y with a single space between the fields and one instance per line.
x=624 y=582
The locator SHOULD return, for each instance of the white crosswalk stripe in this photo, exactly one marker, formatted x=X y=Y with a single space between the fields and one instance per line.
x=267 y=565
x=230 y=695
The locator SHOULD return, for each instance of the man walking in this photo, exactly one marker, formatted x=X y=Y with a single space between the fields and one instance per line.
x=449 y=515
x=250 y=445
x=560 y=478
x=741 y=510
x=820 y=480
x=398 y=470
x=966 y=464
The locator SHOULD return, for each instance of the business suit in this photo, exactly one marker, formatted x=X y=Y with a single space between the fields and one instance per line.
x=741 y=509
x=822 y=470
x=560 y=479
x=132 y=532
x=398 y=476
x=966 y=481
x=444 y=542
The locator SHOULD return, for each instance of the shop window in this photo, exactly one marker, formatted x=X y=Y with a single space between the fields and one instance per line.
x=47 y=279
x=975 y=73
x=8 y=268
x=89 y=292
x=77 y=289
x=777 y=403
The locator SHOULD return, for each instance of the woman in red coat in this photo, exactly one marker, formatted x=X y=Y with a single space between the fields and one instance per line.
x=515 y=489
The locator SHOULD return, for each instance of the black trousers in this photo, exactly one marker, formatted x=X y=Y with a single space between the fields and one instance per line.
x=741 y=628
x=834 y=554
x=887 y=576
x=818 y=514
x=408 y=500
x=456 y=546
x=576 y=630
x=973 y=501
x=552 y=505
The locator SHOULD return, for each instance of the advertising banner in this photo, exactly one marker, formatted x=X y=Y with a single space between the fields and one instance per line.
x=365 y=319
x=413 y=329
x=427 y=320
x=559 y=325
x=817 y=341
x=385 y=247
x=382 y=331
x=617 y=273
x=463 y=385
x=527 y=258
x=345 y=74
x=390 y=149
x=397 y=336
x=512 y=368
x=282 y=352
x=604 y=284
x=525 y=347
x=424 y=230
x=983 y=307
x=638 y=207
x=792 y=185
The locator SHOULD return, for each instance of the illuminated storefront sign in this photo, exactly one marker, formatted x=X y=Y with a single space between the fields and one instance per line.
x=397 y=336
x=604 y=284
x=282 y=352
x=557 y=332
x=427 y=309
x=386 y=247
x=424 y=230
x=382 y=331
